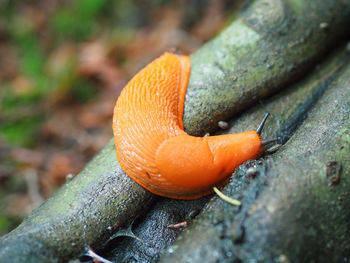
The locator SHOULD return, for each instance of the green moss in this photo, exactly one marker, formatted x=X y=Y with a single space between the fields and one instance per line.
x=31 y=62
x=8 y=223
x=66 y=25
x=25 y=38
x=345 y=136
x=296 y=5
x=78 y=19
x=21 y=132
x=91 y=8
x=11 y=101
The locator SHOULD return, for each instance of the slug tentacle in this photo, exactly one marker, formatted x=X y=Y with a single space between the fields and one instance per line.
x=152 y=147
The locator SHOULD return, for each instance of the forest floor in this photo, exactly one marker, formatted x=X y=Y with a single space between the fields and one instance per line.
x=62 y=66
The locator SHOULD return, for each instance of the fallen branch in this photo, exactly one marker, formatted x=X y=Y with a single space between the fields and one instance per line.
x=273 y=43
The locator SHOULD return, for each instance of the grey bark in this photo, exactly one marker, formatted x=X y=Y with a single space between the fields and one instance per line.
x=219 y=231
x=272 y=44
x=295 y=209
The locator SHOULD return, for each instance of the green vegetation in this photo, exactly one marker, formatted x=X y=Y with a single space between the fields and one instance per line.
x=78 y=19
x=36 y=44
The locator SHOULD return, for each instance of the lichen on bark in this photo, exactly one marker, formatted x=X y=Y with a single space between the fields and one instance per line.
x=271 y=45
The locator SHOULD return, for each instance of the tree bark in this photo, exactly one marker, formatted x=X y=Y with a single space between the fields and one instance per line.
x=219 y=224
x=296 y=209
x=274 y=43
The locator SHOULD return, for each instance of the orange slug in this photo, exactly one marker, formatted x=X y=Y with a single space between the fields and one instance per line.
x=155 y=151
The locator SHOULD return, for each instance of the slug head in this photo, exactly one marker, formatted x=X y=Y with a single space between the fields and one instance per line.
x=197 y=164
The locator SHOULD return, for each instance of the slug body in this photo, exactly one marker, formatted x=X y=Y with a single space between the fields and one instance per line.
x=155 y=151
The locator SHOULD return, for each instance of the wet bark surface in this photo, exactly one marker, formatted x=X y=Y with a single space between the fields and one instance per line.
x=296 y=208
x=290 y=180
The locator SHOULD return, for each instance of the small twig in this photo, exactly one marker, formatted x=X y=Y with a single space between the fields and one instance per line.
x=226 y=198
x=32 y=181
x=178 y=225
x=92 y=254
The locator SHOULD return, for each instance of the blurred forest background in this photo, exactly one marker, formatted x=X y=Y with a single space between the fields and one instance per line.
x=62 y=65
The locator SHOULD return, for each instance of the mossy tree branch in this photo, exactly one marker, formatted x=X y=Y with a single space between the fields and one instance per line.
x=273 y=43
x=295 y=209
x=219 y=229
